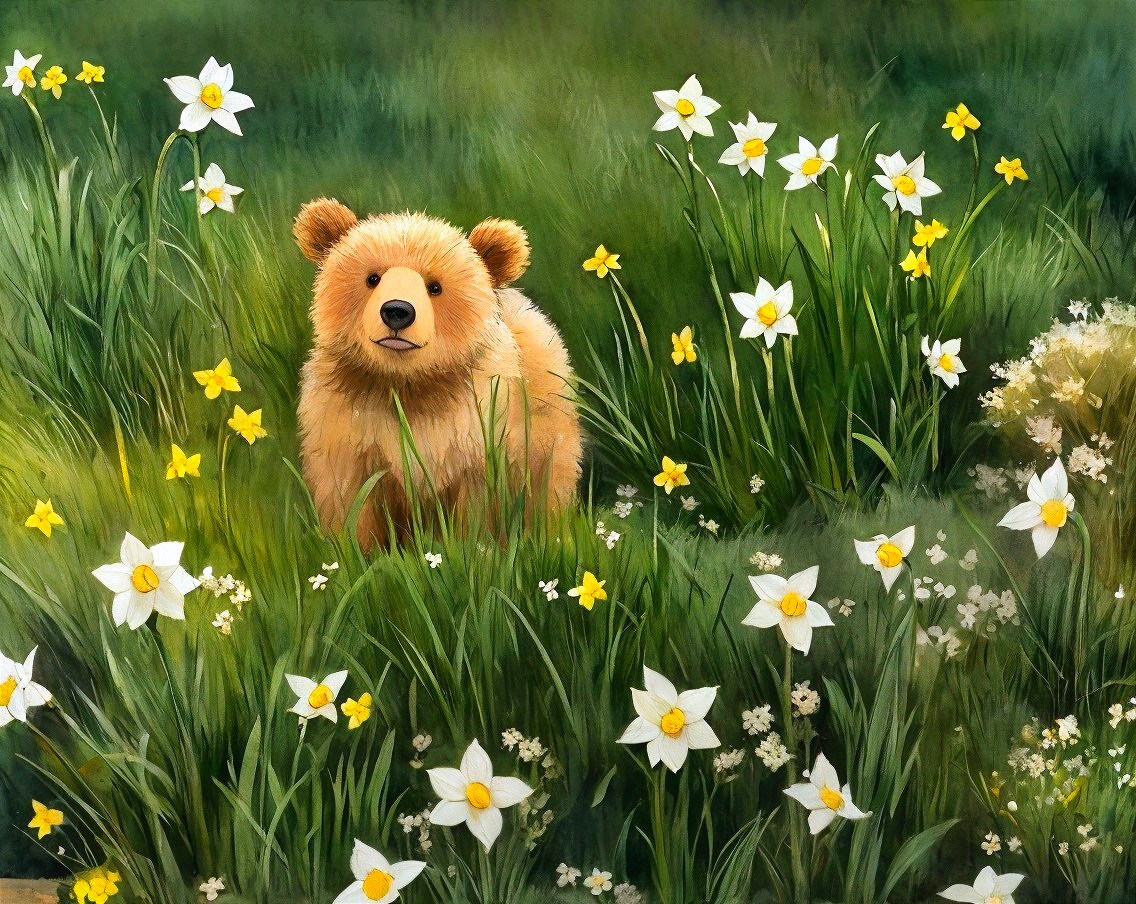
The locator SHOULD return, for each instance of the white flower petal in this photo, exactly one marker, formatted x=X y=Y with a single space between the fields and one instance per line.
x=448 y=783
x=450 y=812
x=485 y=825
x=659 y=686
x=640 y=731
x=185 y=88
x=696 y=703
x=505 y=791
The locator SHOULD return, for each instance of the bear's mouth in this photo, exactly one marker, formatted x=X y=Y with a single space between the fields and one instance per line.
x=396 y=343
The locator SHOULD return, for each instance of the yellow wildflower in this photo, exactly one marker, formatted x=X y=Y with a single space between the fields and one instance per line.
x=683 y=347
x=959 y=120
x=45 y=819
x=926 y=236
x=1011 y=169
x=53 y=81
x=589 y=591
x=916 y=266
x=219 y=378
x=672 y=475
x=43 y=518
x=97 y=887
x=182 y=465
x=358 y=711
x=602 y=262
x=91 y=73
x=247 y=424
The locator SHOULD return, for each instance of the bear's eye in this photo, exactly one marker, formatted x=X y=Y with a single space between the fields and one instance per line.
x=434 y=288
x=373 y=280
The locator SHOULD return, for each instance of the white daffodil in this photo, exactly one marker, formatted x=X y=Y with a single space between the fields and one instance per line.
x=1046 y=510
x=748 y=153
x=316 y=699
x=988 y=888
x=377 y=880
x=823 y=796
x=213 y=190
x=18 y=693
x=943 y=359
x=147 y=580
x=904 y=183
x=886 y=554
x=209 y=98
x=766 y=311
x=473 y=795
x=669 y=723
x=785 y=603
x=808 y=163
x=686 y=109
x=21 y=74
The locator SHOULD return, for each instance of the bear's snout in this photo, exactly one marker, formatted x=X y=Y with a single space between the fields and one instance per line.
x=397 y=314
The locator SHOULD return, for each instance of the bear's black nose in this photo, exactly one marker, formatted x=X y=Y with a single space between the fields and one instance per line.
x=397 y=314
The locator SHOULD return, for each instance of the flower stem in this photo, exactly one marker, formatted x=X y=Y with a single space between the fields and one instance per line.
x=45 y=140
x=796 y=835
x=155 y=217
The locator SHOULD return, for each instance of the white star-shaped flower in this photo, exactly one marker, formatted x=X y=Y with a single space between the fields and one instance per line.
x=213 y=190
x=766 y=311
x=943 y=359
x=147 y=580
x=669 y=723
x=21 y=74
x=474 y=795
x=209 y=98
x=18 y=693
x=808 y=163
x=748 y=153
x=886 y=554
x=786 y=603
x=316 y=699
x=1046 y=509
x=904 y=182
x=824 y=797
x=988 y=887
x=377 y=880
x=686 y=109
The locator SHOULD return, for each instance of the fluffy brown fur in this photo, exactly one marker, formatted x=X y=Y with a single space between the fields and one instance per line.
x=469 y=333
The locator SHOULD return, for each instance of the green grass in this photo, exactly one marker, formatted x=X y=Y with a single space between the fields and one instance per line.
x=171 y=751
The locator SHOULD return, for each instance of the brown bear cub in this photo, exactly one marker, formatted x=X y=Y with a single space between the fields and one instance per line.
x=406 y=304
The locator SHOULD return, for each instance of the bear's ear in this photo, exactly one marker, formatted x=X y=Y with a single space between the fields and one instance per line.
x=504 y=247
x=319 y=225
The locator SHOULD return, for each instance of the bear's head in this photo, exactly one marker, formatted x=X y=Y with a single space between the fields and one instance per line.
x=402 y=295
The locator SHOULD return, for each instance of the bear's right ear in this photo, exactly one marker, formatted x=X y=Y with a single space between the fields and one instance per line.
x=319 y=225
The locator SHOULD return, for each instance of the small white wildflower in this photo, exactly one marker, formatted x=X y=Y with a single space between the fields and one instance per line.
x=626 y=893
x=599 y=881
x=626 y=490
x=992 y=844
x=1063 y=848
x=772 y=752
x=757 y=720
x=766 y=561
x=211 y=888
x=755 y=484
x=318 y=582
x=421 y=742
x=969 y=561
x=611 y=539
x=531 y=749
x=936 y=554
x=689 y=503
x=727 y=760
x=224 y=622
x=567 y=875
x=548 y=588
x=1078 y=310
x=334 y=566
x=433 y=559
x=1013 y=844
x=622 y=509
x=510 y=738
x=805 y=700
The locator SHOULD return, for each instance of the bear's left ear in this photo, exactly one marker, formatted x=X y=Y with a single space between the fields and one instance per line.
x=504 y=247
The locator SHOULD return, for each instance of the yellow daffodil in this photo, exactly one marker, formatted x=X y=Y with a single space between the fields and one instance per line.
x=91 y=73
x=916 y=265
x=53 y=81
x=683 y=347
x=357 y=711
x=21 y=74
x=43 y=518
x=45 y=819
x=959 y=120
x=926 y=236
x=1011 y=169
x=589 y=591
x=247 y=424
x=97 y=887
x=672 y=475
x=182 y=465
x=218 y=379
x=602 y=262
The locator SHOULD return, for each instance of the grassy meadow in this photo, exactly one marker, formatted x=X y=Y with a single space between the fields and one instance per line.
x=980 y=710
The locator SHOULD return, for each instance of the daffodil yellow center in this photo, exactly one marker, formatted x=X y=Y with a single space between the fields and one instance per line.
x=831 y=799
x=211 y=96
x=7 y=689
x=144 y=579
x=377 y=884
x=889 y=555
x=947 y=363
x=755 y=147
x=1054 y=513
x=673 y=723
x=477 y=795
x=320 y=696
x=993 y=899
x=767 y=313
x=214 y=195
x=793 y=604
x=812 y=166
x=684 y=108
x=25 y=75
x=904 y=185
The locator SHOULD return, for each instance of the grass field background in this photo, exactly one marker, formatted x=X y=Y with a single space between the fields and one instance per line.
x=542 y=113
